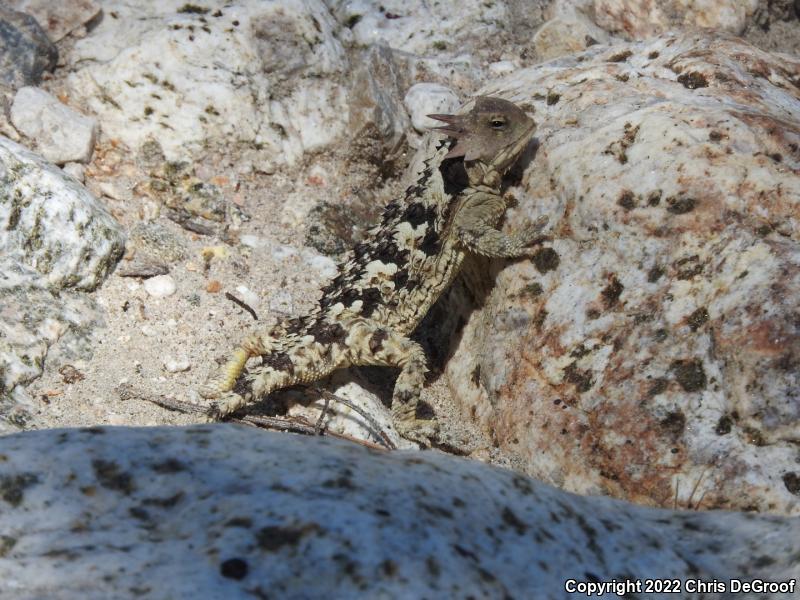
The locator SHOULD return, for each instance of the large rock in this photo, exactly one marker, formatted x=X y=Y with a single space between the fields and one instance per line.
x=56 y=240
x=656 y=347
x=52 y=224
x=228 y=512
x=251 y=73
x=25 y=50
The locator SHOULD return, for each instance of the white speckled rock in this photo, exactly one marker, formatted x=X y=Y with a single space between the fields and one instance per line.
x=54 y=236
x=50 y=223
x=656 y=349
x=423 y=99
x=223 y=511
x=643 y=18
x=252 y=73
x=60 y=133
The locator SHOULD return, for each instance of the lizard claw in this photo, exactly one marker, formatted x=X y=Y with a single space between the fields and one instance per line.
x=420 y=431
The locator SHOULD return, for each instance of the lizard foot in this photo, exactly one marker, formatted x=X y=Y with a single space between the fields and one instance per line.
x=420 y=431
x=226 y=404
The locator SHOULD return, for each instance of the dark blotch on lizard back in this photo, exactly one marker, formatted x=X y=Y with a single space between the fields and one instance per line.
x=431 y=242
x=371 y=298
x=327 y=333
x=390 y=212
x=387 y=252
x=279 y=361
x=400 y=278
x=376 y=340
x=417 y=213
x=297 y=325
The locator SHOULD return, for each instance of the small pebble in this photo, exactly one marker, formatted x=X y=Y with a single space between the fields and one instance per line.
x=247 y=296
x=160 y=286
x=173 y=365
x=213 y=286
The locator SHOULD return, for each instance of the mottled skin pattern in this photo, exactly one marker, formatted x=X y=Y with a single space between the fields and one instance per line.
x=387 y=284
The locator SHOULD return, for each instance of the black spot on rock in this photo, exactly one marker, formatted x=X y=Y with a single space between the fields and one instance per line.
x=553 y=98
x=724 y=425
x=168 y=466
x=111 y=477
x=653 y=55
x=655 y=274
x=679 y=206
x=234 y=568
x=690 y=374
x=545 y=259
x=12 y=487
x=792 y=482
x=627 y=200
x=658 y=386
x=620 y=56
x=698 y=318
x=612 y=291
x=674 y=423
x=693 y=80
x=654 y=198
x=272 y=538
x=581 y=378
x=512 y=520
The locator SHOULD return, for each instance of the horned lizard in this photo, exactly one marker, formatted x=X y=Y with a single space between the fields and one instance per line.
x=386 y=285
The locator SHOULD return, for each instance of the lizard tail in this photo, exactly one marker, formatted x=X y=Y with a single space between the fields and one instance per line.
x=255 y=345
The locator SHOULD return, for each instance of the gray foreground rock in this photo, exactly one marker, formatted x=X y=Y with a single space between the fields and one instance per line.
x=230 y=512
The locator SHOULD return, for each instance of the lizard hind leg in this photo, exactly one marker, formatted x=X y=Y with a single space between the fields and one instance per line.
x=378 y=345
x=220 y=387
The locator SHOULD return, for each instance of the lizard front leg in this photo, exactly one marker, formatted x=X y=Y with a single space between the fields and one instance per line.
x=475 y=227
x=373 y=344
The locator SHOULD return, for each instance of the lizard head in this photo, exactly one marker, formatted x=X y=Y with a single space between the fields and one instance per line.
x=494 y=132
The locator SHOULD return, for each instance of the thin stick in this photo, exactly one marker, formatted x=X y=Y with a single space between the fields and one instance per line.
x=128 y=392
x=376 y=428
x=241 y=304
x=323 y=412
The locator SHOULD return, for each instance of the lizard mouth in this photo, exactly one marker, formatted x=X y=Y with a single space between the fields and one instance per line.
x=454 y=127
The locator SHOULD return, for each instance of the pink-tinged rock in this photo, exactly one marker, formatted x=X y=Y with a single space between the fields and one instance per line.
x=640 y=19
x=652 y=350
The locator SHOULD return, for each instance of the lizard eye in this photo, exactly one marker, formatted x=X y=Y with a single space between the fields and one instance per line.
x=497 y=123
